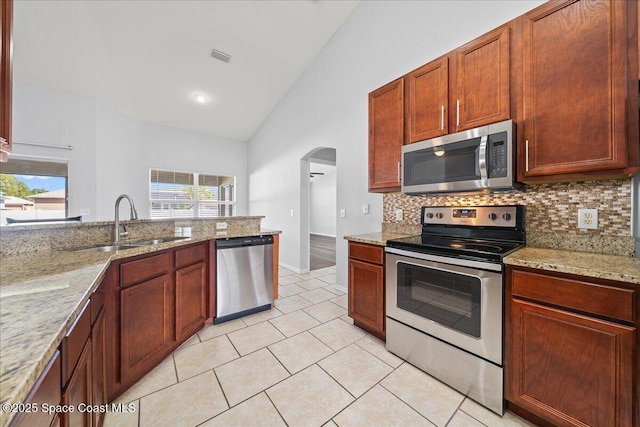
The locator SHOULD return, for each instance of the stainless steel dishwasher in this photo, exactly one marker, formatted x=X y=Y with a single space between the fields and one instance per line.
x=244 y=279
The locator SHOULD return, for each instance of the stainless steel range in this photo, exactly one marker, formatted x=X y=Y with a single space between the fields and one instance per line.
x=445 y=288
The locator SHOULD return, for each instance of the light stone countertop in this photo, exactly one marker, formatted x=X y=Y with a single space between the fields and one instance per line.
x=379 y=239
x=611 y=267
x=41 y=295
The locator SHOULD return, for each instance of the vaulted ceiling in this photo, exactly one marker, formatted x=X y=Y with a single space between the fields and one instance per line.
x=148 y=58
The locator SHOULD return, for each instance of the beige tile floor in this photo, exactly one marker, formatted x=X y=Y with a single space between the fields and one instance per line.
x=302 y=363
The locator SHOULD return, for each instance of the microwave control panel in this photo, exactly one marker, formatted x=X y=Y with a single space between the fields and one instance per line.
x=498 y=152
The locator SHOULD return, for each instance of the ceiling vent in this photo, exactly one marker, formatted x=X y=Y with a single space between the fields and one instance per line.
x=224 y=57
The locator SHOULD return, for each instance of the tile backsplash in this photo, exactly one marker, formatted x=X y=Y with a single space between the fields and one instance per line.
x=551 y=213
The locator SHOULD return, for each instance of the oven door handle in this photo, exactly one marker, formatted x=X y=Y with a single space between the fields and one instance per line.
x=446 y=260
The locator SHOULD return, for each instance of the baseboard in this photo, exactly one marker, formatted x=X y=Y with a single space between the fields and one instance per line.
x=322 y=234
x=294 y=269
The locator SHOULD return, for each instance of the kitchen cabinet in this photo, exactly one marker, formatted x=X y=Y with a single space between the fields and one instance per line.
x=153 y=304
x=6 y=16
x=482 y=80
x=46 y=390
x=191 y=290
x=571 y=347
x=428 y=100
x=472 y=83
x=366 y=287
x=579 y=65
x=386 y=136
x=146 y=312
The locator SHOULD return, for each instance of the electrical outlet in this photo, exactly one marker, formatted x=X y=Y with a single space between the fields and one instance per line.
x=399 y=215
x=365 y=208
x=588 y=218
x=292 y=212
x=221 y=225
x=85 y=211
x=343 y=213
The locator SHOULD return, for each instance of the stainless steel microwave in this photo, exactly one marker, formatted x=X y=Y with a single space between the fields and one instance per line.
x=471 y=160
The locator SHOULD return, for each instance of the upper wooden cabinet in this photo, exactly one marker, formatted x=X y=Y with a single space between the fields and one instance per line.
x=482 y=80
x=461 y=90
x=386 y=136
x=428 y=100
x=579 y=116
x=6 y=16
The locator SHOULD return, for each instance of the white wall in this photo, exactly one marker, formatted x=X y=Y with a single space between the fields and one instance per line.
x=322 y=202
x=327 y=106
x=112 y=153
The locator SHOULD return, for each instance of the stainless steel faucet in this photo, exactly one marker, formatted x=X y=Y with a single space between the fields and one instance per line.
x=132 y=215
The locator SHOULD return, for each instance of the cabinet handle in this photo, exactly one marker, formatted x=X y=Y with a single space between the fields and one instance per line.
x=399 y=175
x=526 y=155
x=442 y=117
x=457 y=113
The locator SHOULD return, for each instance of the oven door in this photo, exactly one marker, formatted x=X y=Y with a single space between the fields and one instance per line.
x=459 y=304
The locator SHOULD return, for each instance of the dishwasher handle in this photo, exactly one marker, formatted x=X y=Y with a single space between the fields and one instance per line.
x=238 y=242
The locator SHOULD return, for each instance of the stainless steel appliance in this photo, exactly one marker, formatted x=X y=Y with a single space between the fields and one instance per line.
x=244 y=278
x=444 y=296
x=475 y=159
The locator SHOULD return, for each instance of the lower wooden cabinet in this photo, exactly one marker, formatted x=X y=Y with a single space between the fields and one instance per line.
x=79 y=391
x=145 y=324
x=47 y=390
x=98 y=366
x=567 y=366
x=366 y=287
x=153 y=304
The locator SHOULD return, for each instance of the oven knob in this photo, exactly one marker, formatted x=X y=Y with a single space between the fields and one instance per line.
x=493 y=216
x=439 y=215
x=506 y=216
x=429 y=215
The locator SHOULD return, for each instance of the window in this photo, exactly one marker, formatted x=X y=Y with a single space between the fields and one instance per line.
x=187 y=195
x=33 y=189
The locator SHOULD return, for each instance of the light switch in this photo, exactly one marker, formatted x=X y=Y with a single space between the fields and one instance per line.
x=365 y=208
x=343 y=213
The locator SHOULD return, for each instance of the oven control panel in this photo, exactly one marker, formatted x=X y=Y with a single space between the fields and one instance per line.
x=484 y=216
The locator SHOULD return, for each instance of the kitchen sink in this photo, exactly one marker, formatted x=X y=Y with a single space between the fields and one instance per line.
x=131 y=245
x=111 y=248
x=155 y=241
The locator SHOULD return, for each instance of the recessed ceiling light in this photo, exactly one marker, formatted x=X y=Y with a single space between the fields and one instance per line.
x=200 y=98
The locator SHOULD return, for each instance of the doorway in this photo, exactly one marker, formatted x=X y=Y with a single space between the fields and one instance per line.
x=318 y=209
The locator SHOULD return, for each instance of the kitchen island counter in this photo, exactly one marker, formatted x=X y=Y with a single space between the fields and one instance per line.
x=41 y=295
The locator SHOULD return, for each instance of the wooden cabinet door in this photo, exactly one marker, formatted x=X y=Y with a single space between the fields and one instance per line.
x=79 y=390
x=98 y=362
x=191 y=300
x=570 y=369
x=428 y=94
x=6 y=16
x=386 y=136
x=146 y=324
x=46 y=390
x=366 y=296
x=574 y=70
x=482 y=82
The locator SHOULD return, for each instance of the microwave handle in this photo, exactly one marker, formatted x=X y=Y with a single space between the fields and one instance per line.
x=399 y=173
x=482 y=159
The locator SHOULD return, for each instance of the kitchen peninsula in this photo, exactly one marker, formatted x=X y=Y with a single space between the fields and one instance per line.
x=45 y=285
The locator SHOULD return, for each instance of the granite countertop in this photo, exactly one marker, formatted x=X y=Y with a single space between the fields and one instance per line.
x=379 y=239
x=611 y=267
x=41 y=295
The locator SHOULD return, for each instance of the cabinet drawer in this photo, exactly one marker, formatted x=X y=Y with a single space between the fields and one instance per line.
x=74 y=341
x=190 y=255
x=143 y=269
x=616 y=303
x=364 y=252
x=45 y=390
